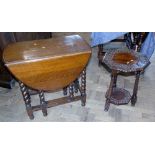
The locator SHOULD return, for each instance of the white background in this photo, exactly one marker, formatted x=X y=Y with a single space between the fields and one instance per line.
x=77 y=138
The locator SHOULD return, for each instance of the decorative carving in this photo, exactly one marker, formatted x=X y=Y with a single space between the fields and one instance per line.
x=27 y=99
x=119 y=96
x=71 y=91
x=120 y=61
x=83 y=87
x=139 y=62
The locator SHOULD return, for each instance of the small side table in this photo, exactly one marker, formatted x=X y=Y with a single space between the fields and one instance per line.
x=123 y=62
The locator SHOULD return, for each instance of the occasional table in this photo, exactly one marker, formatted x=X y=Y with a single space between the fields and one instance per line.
x=49 y=65
x=126 y=62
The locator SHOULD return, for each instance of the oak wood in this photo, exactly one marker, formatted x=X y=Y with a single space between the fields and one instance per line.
x=47 y=64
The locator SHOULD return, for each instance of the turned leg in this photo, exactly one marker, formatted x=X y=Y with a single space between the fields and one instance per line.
x=27 y=99
x=71 y=91
x=83 y=87
x=115 y=81
x=43 y=103
x=100 y=54
x=76 y=85
x=112 y=84
x=135 y=90
x=65 y=91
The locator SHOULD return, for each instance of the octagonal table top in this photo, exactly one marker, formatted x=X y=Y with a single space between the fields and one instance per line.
x=125 y=61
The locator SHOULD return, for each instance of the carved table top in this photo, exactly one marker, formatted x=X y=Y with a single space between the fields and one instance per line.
x=125 y=61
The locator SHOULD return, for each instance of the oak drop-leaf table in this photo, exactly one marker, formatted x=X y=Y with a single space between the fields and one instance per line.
x=49 y=65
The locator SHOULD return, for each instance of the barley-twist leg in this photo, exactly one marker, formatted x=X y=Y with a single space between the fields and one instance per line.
x=27 y=99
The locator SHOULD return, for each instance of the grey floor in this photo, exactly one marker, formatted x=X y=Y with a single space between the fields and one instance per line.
x=12 y=107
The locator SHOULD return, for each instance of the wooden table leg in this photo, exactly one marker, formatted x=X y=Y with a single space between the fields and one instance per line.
x=65 y=91
x=27 y=99
x=43 y=103
x=100 y=54
x=83 y=87
x=115 y=81
x=71 y=91
x=112 y=84
x=76 y=85
x=135 y=90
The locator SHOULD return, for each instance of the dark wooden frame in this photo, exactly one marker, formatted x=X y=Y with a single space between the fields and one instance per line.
x=120 y=96
x=72 y=90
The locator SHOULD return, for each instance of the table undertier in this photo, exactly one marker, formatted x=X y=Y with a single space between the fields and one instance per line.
x=119 y=96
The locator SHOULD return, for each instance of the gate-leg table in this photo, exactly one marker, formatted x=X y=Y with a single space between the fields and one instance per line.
x=49 y=65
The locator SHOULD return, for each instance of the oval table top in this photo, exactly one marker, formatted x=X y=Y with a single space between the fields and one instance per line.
x=47 y=64
x=45 y=48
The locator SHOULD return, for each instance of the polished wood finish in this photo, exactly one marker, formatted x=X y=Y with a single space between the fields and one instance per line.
x=49 y=65
x=59 y=61
x=126 y=62
x=6 y=79
x=124 y=58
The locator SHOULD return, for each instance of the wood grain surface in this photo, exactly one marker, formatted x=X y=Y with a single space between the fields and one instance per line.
x=47 y=64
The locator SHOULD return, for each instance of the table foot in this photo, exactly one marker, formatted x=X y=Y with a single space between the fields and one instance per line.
x=65 y=91
x=83 y=101
x=135 y=90
x=133 y=100
x=107 y=105
x=43 y=103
